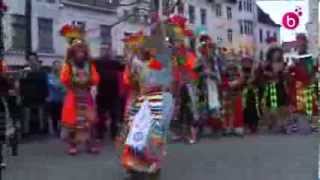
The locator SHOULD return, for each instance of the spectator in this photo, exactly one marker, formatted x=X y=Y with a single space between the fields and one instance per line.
x=34 y=92
x=108 y=98
x=56 y=96
x=4 y=88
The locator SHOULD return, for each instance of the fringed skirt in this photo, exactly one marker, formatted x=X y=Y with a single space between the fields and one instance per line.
x=144 y=159
x=85 y=116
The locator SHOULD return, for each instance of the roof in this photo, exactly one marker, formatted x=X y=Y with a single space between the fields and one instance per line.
x=264 y=18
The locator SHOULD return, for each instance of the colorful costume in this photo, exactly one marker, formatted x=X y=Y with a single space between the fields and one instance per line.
x=251 y=101
x=275 y=97
x=78 y=114
x=149 y=112
x=232 y=100
x=305 y=88
x=186 y=98
x=210 y=77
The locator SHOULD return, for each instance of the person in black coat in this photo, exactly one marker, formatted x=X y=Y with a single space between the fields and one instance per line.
x=34 y=92
x=108 y=98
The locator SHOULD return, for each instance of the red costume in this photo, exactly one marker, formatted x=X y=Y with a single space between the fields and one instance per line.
x=78 y=75
x=69 y=109
x=232 y=100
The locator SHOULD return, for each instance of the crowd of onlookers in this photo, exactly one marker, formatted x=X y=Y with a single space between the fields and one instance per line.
x=35 y=96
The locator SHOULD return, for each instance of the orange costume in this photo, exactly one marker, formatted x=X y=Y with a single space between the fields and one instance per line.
x=78 y=75
x=69 y=111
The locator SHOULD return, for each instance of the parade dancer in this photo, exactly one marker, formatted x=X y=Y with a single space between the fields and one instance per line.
x=232 y=80
x=275 y=97
x=251 y=101
x=210 y=78
x=150 y=111
x=184 y=75
x=78 y=75
x=303 y=74
x=186 y=98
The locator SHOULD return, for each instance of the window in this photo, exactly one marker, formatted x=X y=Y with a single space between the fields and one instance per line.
x=80 y=24
x=192 y=16
x=219 y=40
x=125 y=13
x=261 y=55
x=105 y=34
x=192 y=44
x=156 y=5
x=218 y=10
x=251 y=27
x=99 y=3
x=50 y=1
x=275 y=36
x=181 y=8
x=261 y=35
x=230 y=35
x=268 y=35
x=250 y=5
x=241 y=27
x=229 y=12
x=240 y=5
x=19 y=32
x=166 y=7
x=245 y=5
x=246 y=27
x=203 y=16
x=45 y=26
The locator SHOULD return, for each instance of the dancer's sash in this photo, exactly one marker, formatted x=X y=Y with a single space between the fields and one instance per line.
x=213 y=96
x=140 y=127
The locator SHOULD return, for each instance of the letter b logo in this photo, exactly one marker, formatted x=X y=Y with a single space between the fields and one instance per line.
x=290 y=20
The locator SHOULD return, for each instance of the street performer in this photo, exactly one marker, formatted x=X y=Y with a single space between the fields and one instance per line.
x=275 y=95
x=78 y=75
x=232 y=81
x=251 y=101
x=149 y=112
x=304 y=75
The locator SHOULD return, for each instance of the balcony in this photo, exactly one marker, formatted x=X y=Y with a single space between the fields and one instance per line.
x=231 y=1
x=96 y=5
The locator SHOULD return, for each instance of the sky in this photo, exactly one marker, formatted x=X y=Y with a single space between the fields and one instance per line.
x=277 y=8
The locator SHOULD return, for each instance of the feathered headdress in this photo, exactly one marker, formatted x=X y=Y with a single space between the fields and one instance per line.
x=134 y=40
x=72 y=33
x=179 y=25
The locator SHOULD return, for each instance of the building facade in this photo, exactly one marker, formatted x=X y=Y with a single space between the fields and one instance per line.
x=231 y=23
x=313 y=26
x=100 y=19
x=239 y=25
x=266 y=30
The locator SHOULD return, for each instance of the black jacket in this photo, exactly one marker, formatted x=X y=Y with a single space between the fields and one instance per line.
x=109 y=84
x=34 y=88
